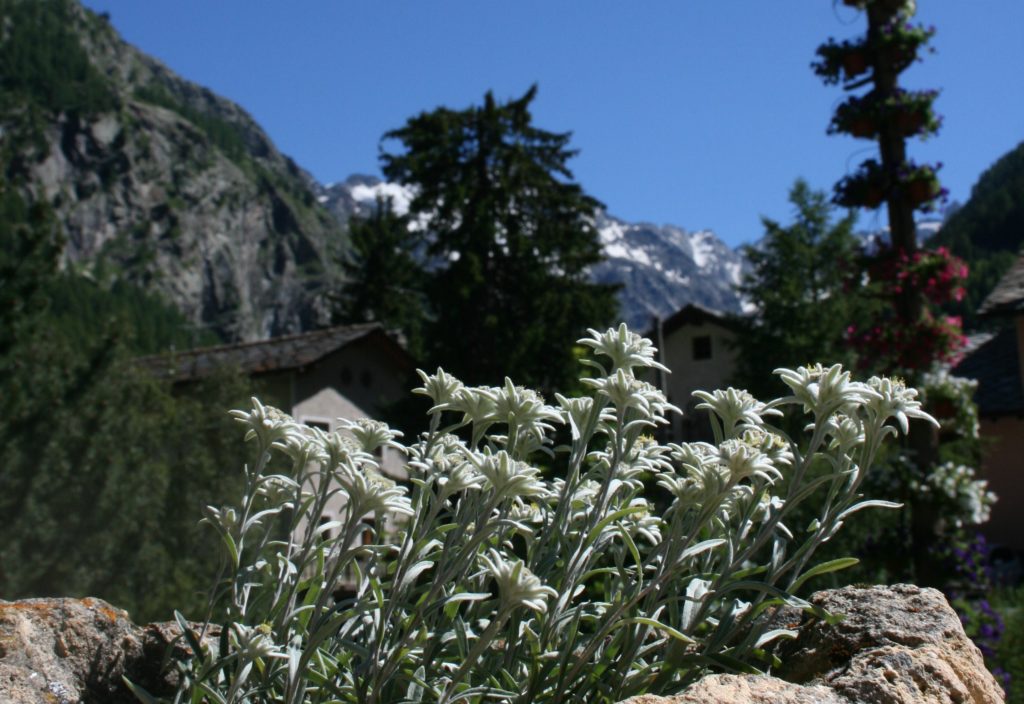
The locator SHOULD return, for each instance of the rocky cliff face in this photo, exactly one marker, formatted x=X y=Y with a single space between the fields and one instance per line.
x=171 y=187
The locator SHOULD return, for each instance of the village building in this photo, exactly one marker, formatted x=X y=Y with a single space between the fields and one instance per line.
x=997 y=363
x=697 y=344
x=320 y=378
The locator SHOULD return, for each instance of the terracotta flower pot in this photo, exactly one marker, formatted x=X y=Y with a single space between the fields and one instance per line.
x=854 y=63
x=862 y=127
x=921 y=190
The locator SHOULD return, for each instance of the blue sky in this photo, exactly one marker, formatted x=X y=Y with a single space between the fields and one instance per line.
x=699 y=113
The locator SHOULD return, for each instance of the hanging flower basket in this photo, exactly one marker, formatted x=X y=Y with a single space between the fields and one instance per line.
x=919 y=185
x=865 y=188
x=899 y=42
x=845 y=60
x=911 y=112
x=856 y=116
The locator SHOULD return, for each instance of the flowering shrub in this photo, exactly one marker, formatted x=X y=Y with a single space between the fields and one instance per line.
x=949 y=399
x=501 y=583
x=889 y=342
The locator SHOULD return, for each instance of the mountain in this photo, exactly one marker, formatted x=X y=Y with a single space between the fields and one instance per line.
x=156 y=180
x=661 y=268
x=988 y=230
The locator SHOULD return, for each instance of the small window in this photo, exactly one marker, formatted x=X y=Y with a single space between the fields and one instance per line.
x=366 y=378
x=346 y=376
x=319 y=425
x=369 y=531
x=702 y=347
x=327 y=533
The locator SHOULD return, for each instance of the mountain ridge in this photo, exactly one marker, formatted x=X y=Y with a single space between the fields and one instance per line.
x=163 y=182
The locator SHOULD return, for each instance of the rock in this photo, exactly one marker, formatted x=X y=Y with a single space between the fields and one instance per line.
x=752 y=689
x=66 y=651
x=896 y=644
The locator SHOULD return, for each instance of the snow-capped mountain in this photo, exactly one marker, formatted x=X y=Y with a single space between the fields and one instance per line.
x=661 y=268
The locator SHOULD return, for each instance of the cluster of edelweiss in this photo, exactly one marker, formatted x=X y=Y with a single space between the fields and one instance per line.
x=491 y=578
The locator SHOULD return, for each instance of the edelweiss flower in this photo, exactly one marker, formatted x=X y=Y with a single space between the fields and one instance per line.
x=369 y=491
x=371 y=434
x=733 y=407
x=892 y=399
x=266 y=423
x=824 y=391
x=626 y=349
x=440 y=387
x=516 y=405
x=509 y=477
x=575 y=412
x=254 y=643
x=745 y=461
x=626 y=391
x=517 y=586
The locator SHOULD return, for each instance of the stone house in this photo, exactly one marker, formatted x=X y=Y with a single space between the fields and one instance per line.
x=696 y=343
x=348 y=372
x=997 y=363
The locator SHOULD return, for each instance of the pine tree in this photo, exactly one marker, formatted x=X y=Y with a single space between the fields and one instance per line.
x=797 y=280
x=510 y=240
x=384 y=277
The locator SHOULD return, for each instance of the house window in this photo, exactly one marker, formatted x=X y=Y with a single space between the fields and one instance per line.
x=324 y=519
x=366 y=378
x=346 y=376
x=319 y=425
x=702 y=347
x=368 y=532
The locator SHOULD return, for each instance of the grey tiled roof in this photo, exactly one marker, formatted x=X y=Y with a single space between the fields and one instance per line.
x=695 y=314
x=996 y=366
x=275 y=354
x=1008 y=295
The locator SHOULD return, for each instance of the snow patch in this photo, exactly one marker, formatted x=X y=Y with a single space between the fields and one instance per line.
x=401 y=196
x=703 y=247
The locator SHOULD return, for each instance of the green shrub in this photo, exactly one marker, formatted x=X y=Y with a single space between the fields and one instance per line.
x=486 y=580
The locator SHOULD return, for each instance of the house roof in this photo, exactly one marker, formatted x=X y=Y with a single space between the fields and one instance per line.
x=696 y=314
x=273 y=355
x=996 y=365
x=1008 y=295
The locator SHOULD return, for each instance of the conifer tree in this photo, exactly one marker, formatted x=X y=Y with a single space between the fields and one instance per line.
x=796 y=282
x=384 y=277
x=510 y=239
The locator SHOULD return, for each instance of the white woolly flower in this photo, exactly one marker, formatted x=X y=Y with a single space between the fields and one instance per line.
x=893 y=399
x=509 y=477
x=773 y=446
x=846 y=432
x=461 y=477
x=441 y=387
x=626 y=349
x=303 y=444
x=266 y=423
x=825 y=390
x=516 y=405
x=279 y=490
x=369 y=491
x=371 y=434
x=575 y=412
x=734 y=407
x=517 y=585
x=745 y=461
x=475 y=403
x=254 y=643
x=626 y=391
